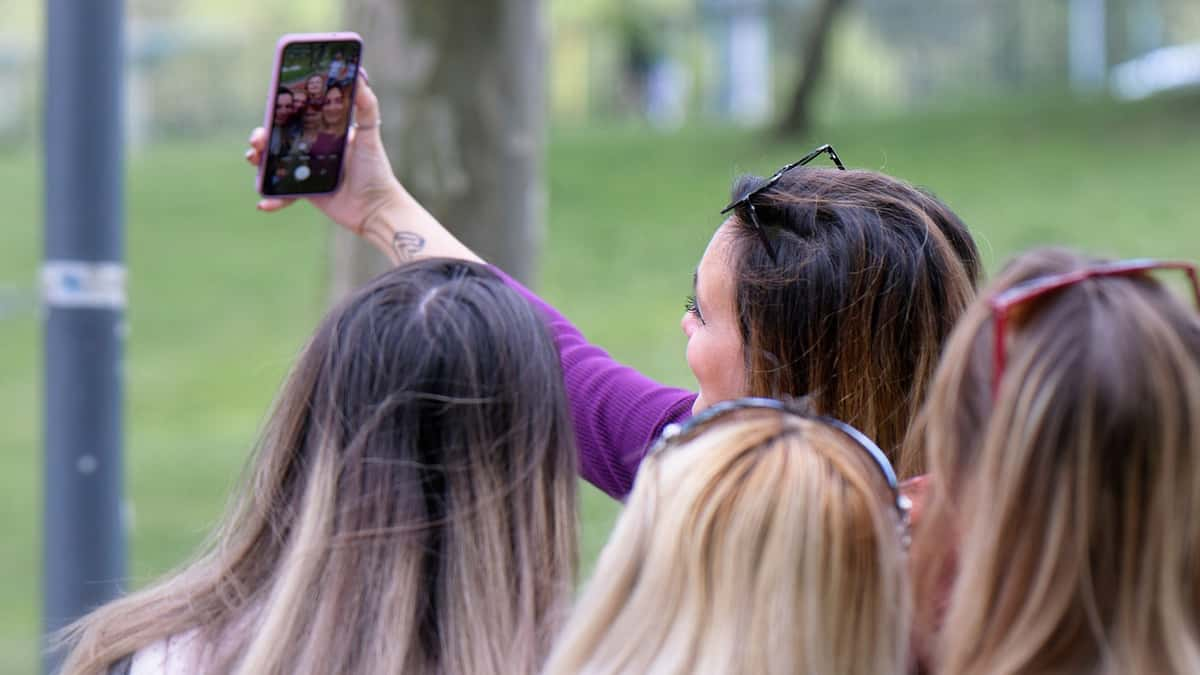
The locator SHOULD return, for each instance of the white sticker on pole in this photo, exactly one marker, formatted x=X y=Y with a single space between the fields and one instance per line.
x=78 y=284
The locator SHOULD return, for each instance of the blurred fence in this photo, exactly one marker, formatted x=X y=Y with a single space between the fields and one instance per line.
x=183 y=80
x=715 y=60
x=738 y=59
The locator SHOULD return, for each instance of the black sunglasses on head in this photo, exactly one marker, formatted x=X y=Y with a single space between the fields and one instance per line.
x=677 y=434
x=747 y=198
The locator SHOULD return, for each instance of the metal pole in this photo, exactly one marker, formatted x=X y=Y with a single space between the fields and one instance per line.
x=84 y=295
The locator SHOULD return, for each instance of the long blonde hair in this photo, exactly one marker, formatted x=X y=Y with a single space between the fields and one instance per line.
x=1075 y=489
x=767 y=544
x=410 y=507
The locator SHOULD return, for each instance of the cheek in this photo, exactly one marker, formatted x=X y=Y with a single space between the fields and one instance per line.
x=716 y=365
x=695 y=358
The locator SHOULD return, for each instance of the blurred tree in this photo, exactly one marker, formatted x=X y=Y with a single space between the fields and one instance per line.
x=813 y=51
x=462 y=91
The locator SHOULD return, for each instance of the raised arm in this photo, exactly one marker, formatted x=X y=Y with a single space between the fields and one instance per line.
x=616 y=411
x=371 y=202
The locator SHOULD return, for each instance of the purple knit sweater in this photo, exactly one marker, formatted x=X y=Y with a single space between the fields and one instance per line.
x=617 y=412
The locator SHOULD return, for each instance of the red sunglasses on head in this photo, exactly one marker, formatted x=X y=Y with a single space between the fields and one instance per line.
x=1004 y=301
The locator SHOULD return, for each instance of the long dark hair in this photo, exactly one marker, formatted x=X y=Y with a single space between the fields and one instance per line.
x=411 y=504
x=869 y=278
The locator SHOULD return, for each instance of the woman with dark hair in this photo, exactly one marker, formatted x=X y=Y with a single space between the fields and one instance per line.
x=833 y=284
x=281 y=133
x=410 y=507
x=1063 y=433
x=282 y=116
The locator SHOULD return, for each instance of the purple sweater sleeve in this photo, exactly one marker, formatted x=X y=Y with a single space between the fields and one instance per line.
x=617 y=412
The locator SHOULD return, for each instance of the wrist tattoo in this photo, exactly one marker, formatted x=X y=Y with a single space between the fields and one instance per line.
x=407 y=245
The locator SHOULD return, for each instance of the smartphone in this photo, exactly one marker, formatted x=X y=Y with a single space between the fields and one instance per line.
x=309 y=105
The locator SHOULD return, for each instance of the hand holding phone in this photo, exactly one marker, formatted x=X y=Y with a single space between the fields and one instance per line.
x=371 y=203
x=308 y=113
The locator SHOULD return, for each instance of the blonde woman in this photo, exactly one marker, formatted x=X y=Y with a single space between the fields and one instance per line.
x=757 y=539
x=1063 y=433
x=410 y=507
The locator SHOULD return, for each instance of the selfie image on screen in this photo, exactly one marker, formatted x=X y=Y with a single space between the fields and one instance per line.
x=311 y=117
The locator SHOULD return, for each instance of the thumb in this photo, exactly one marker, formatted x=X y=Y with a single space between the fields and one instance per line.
x=269 y=204
x=366 y=104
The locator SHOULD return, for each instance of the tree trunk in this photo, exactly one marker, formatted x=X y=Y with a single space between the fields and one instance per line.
x=798 y=116
x=462 y=92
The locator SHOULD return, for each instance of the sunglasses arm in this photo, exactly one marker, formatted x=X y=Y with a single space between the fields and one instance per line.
x=1000 y=321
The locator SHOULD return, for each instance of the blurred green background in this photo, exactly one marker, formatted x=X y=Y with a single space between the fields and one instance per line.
x=222 y=297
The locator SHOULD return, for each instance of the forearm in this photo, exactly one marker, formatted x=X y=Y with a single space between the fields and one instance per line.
x=616 y=411
x=404 y=230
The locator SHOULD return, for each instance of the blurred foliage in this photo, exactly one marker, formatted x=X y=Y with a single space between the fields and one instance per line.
x=22 y=16
x=201 y=66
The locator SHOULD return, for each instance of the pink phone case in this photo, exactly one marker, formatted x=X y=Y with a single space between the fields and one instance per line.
x=268 y=114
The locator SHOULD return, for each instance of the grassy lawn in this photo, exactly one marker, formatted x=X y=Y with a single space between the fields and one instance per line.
x=222 y=297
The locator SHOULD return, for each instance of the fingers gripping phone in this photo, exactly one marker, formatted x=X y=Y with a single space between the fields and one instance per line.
x=308 y=113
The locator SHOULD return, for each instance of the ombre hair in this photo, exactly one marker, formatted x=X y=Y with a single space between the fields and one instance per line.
x=869 y=277
x=769 y=543
x=410 y=506
x=1063 y=524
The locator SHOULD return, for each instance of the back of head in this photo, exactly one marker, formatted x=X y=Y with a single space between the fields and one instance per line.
x=440 y=396
x=411 y=505
x=869 y=278
x=767 y=544
x=1075 y=486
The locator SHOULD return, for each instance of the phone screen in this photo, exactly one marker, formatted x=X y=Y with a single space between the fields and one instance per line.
x=311 y=116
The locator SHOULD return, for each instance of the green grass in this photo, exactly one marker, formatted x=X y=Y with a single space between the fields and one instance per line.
x=222 y=297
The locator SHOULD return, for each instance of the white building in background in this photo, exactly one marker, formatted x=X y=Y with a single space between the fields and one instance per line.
x=741 y=33
x=1087 y=45
x=1165 y=69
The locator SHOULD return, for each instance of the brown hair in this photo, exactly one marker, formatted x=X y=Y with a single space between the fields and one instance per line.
x=869 y=278
x=769 y=543
x=1075 y=489
x=410 y=506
